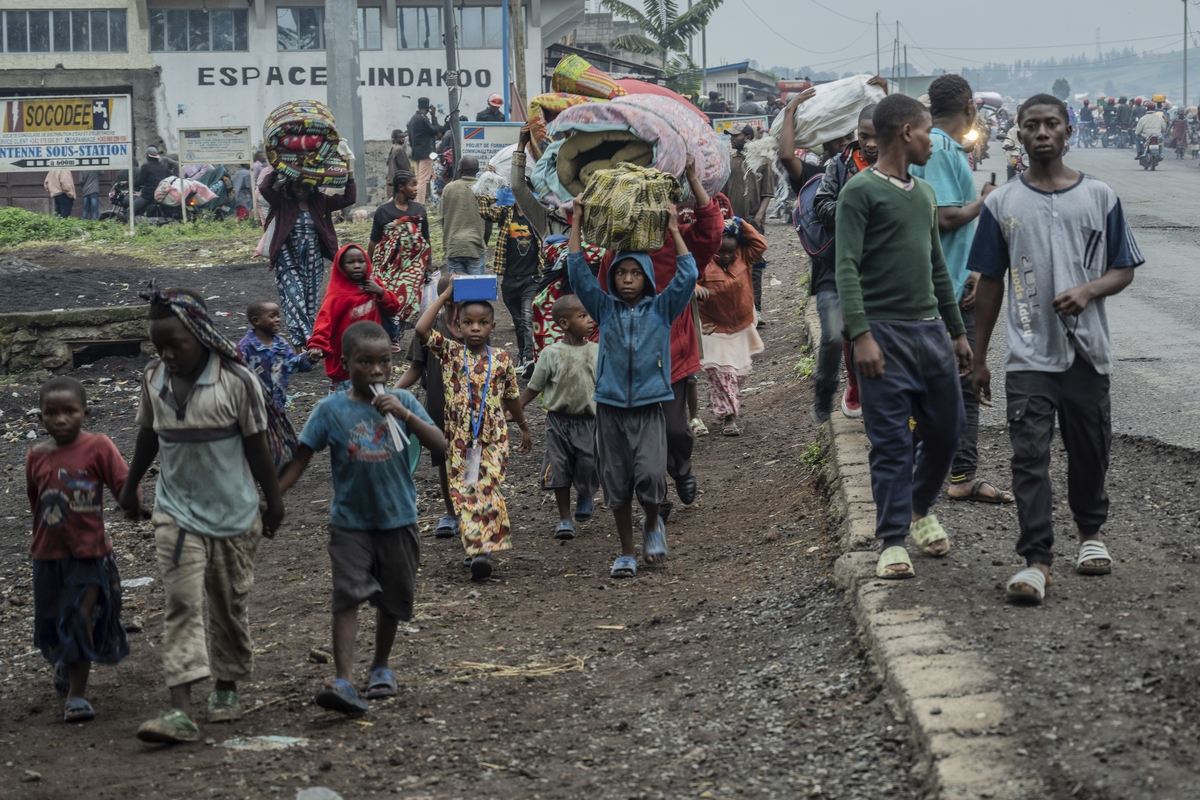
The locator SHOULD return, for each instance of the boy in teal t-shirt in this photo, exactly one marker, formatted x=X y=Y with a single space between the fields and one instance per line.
x=374 y=546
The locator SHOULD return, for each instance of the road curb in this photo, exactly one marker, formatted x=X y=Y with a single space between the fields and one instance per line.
x=943 y=689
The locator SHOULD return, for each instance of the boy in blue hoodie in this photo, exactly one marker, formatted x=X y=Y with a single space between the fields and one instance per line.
x=633 y=379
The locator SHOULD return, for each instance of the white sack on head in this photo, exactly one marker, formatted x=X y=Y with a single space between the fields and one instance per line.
x=488 y=183
x=502 y=162
x=831 y=113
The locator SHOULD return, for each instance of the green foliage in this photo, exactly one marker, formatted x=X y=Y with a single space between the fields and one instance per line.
x=1062 y=89
x=812 y=457
x=805 y=366
x=665 y=31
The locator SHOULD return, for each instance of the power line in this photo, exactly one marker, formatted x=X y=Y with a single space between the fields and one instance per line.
x=1056 y=46
x=840 y=14
x=793 y=44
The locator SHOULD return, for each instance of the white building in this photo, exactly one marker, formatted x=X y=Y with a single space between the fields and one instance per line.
x=206 y=63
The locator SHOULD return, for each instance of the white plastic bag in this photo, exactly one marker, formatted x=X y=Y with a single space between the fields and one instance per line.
x=429 y=292
x=489 y=183
x=263 y=249
x=831 y=113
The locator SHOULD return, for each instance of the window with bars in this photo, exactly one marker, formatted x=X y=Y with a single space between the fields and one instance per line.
x=477 y=27
x=64 y=31
x=198 y=30
x=303 y=28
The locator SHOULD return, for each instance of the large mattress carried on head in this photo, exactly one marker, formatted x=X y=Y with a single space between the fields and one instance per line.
x=630 y=126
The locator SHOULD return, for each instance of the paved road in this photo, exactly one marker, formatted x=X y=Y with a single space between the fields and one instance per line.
x=1156 y=321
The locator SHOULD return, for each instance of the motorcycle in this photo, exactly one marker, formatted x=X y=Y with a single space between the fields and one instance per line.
x=151 y=213
x=1109 y=136
x=1151 y=153
x=1087 y=134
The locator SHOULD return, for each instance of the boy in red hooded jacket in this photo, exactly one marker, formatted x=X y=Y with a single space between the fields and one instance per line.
x=353 y=295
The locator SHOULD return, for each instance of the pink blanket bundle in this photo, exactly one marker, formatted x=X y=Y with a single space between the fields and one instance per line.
x=307 y=144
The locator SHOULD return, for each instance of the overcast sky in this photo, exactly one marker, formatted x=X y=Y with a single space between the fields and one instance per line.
x=1015 y=29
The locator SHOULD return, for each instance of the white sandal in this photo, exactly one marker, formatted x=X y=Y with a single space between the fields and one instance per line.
x=1092 y=550
x=1030 y=576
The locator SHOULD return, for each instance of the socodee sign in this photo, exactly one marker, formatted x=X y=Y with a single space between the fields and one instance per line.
x=316 y=76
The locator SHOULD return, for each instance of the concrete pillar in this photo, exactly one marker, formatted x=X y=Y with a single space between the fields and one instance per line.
x=342 y=76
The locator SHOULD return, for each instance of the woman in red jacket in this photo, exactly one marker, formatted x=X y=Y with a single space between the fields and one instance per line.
x=304 y=237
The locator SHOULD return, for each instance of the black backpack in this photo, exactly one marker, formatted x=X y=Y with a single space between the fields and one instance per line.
x=814 y=237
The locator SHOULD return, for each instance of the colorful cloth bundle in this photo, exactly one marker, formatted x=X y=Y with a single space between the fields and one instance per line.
x=169 y=191
x=301 y=141
x=554 y=285
x=627 y=208
x=670 y=127
x=574 y=75
x=544 y=108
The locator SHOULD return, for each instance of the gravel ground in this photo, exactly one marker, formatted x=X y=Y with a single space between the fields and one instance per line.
x=732 y=672
x=1101 y=680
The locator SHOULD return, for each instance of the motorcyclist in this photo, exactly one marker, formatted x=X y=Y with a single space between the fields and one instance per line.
x=1110 y=112
x=1153 y=124
x=494 y=111
x=151 y=173
x=1124 y=121
x=1087 y=121
x=1013 y=151
x=1139 y=109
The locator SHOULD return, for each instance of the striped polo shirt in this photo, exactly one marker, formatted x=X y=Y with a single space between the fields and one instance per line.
x=204 y=481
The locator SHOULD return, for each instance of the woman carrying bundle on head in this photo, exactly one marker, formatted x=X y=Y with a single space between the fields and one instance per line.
x=400 y=251
x=730 y=338
x=303 y=239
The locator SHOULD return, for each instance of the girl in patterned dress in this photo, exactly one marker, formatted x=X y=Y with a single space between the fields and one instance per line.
x=480 y=384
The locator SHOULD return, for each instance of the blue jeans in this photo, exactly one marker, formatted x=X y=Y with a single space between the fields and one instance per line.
x=466 y=266
x=91 y=206
x=920 y=379
x=829 y=352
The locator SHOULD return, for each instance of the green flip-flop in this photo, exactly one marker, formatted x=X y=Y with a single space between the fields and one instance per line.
x=891 y=557
x=169 y=727
x=926 y=532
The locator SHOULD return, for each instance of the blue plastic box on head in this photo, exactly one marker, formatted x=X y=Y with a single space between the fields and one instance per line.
x=474 y=287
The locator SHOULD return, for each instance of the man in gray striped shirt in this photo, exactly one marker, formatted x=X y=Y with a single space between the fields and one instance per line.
x=1061 y=241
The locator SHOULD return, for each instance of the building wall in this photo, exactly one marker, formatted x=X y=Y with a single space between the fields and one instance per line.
x=208 y=89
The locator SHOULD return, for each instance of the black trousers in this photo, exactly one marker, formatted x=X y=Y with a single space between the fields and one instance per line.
x=680 y=439
x=1079 y=397
x=966 y=460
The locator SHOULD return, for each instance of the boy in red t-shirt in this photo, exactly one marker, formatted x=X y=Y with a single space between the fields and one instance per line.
x=76 y=588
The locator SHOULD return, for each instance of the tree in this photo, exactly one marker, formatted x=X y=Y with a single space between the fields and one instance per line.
x=665 y=34
x=1062 y=89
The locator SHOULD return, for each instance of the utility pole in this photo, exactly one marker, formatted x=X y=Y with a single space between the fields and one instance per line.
x=905 y=70
x=1185 y=38
x=877 y=64
x=452 y=77
x=518 y=40
x=704 y=58
x=342 y=74
x=505 y=61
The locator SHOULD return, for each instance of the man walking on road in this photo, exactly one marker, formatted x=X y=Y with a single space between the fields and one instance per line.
x=61 y=187
x=423 y=133
x=1051 y=234
x=397 y=159
x=749 y=193
x=462 y=225
x=949 y=173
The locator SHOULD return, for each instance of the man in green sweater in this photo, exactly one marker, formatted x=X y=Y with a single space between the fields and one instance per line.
x=462 y=226
x=899 y=302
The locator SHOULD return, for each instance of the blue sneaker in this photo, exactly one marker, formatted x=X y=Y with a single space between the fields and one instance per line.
x=585 y=507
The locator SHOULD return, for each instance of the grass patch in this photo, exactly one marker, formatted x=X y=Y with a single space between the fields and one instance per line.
x=812 y=457
x=203 y=243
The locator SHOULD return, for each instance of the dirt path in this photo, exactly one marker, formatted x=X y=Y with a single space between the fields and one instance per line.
x=731 y=672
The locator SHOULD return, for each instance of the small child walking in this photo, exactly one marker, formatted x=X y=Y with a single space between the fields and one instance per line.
x=374 y=545
x=203 y=415
x=480 y=384
x=267 y=354
x=353 y=295
x=565 y=376
x=429 y=372
x=76 y=588
x=726 y=294
x=633 y=380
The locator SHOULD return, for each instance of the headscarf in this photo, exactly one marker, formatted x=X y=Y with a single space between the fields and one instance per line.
x=281 y=438
x=345 y=303
x=733 y=227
